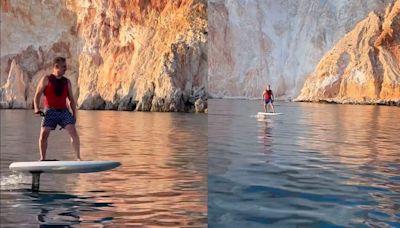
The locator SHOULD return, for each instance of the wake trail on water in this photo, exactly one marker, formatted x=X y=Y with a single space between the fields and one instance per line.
x=14 y=181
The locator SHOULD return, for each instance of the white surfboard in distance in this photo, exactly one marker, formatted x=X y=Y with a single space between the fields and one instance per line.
x=63 y=166
x=269 y=113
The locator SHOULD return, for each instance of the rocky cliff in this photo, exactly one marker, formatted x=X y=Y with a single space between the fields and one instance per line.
x=260 y=42
x=363 y=67
x=146 y=55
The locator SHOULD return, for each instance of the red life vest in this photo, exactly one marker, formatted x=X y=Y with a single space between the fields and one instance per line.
x=267 y=94
x=56 y=93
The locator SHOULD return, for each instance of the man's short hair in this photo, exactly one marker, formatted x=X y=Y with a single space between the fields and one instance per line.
x=59 y=60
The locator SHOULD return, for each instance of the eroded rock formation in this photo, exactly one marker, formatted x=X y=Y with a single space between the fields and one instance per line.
x=363 y=67
x=260 y=42
x=124 y=55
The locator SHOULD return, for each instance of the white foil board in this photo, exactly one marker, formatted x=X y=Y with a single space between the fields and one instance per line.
x=63 y=166
x=269 y=113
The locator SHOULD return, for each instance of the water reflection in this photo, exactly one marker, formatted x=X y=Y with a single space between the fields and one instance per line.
x=363 y=142
x=315 y=165
x=162 y=180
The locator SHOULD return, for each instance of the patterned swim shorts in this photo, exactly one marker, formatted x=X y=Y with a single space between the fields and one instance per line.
x=56 y=117
x=267 y=101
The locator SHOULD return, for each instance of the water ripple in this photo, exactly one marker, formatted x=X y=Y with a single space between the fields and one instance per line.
x=161 y=182
x=303 y=169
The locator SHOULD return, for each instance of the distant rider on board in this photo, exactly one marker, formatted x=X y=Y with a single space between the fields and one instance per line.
x=268 y=98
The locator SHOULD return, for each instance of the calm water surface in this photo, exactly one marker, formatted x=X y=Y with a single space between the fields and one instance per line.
x=317 y=165
x=162 y=181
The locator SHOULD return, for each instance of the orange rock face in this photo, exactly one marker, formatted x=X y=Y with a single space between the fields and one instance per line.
x=364 y=66
x=124 y=55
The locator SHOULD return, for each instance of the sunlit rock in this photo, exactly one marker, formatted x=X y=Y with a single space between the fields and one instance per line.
x=363 y=67
x=260 y=42
x=121 y=55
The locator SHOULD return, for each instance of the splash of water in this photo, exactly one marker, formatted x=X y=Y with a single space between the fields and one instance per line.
x=14 y=181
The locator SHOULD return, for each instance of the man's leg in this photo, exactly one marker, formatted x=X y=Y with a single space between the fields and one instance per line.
x=44 y=135
x=74 y=139
x=265 y=107
x=272 y=106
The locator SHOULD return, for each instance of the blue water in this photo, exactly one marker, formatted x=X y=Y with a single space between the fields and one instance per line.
x=317 y=165
x=162 y=181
